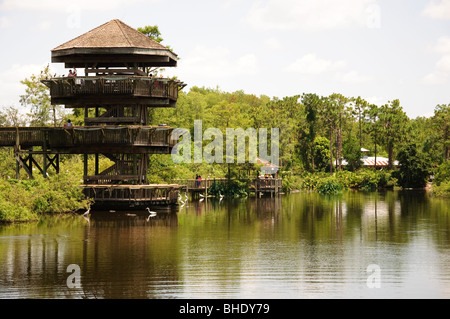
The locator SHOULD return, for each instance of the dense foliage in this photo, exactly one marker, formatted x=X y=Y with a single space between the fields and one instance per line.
x=316 y=134
x=414 y=170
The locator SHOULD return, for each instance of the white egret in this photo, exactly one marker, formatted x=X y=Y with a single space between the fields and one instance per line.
x=151 y=213
x=88 y=211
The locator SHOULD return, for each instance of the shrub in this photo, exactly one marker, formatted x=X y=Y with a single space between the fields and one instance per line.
x=291 y=182
x=414 y=169
x=366 y=179
x=442 y=173
x=10 y=212
x=329 y=186
x=441 y=190
x=234 y=188
x=26 y=199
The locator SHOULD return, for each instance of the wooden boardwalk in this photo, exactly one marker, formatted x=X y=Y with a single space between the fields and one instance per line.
x=132 y=196
x=90 y=139
x=260 y=186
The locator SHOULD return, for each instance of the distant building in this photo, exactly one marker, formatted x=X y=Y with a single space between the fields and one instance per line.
x=370 y=161
x=267 y=167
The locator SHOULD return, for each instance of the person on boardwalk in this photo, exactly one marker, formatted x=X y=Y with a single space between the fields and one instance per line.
x=68 y=124
x=197 y=183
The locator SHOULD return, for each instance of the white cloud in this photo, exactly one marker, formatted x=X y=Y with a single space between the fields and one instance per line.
x=63 y=5
x=434 y=78
x=314 y=14
x=443 y=65
x=438 y=9
x=377 y=100
x=44 y=25
x=216 y=62
x=248 y=64
x=443 y=45
x=352 y=77
x=4 y=22
x=310 y=64
x=273 y=44
x=441 y=72
x=10 y=86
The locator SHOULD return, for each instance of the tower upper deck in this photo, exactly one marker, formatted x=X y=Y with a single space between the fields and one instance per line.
x=113 y=44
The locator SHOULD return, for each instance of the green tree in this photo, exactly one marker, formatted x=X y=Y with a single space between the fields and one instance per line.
x=328 y=115
x=373 y=125
x=308 y=132
x=393 y=121
x=321 y=153
x=12 y=117
x=414 y=169
x=441 y=125
x=37 y=98
x=360 y=107
x=442 y=173
x=352 y=154
x=340 y=104
x=152 y=31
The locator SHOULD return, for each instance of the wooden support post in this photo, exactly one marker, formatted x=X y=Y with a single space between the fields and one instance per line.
x=85 y=165
x=96 y=165
x=17 y=168
x=44 y=148
x=23 y=163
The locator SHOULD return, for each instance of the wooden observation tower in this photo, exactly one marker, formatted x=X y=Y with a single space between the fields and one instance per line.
x=115 y=94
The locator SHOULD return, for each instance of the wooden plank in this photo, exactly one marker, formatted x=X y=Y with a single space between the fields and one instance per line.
x=111 y=120
x=128 y=71
x=111 y=177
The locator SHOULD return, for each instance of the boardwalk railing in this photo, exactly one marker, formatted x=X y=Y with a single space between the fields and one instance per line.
x=267 y=183
x=54 y=137
x=132 y=195
x=113 y=85
x=259 y=185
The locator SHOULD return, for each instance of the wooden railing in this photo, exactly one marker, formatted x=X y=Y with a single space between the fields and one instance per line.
x=257 y=184
x=161 y=193
x=110 y=85
x=54 y=137
x=262 y=184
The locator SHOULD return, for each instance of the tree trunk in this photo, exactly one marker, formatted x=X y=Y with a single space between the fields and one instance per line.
x=391 y=153
x=447 y=149
x=331 y=149
x=340 y=143
x=375 y=150
x=360 y=131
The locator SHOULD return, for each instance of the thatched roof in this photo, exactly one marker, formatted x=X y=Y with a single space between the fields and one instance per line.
x=113 y=38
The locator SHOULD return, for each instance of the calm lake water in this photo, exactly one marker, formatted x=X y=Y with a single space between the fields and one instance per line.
x=358 y=245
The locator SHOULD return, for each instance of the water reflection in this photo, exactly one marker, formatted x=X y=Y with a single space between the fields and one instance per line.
x=296 y=246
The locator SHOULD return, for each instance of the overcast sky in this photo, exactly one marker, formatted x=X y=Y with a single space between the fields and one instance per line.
x=379 y=50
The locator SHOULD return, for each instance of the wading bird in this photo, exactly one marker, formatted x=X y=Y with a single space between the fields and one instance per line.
x=151 y=214
x=88 y=211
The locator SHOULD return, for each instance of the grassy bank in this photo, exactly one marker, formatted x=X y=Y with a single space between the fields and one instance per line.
x=26 y=200
x=324 y=183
